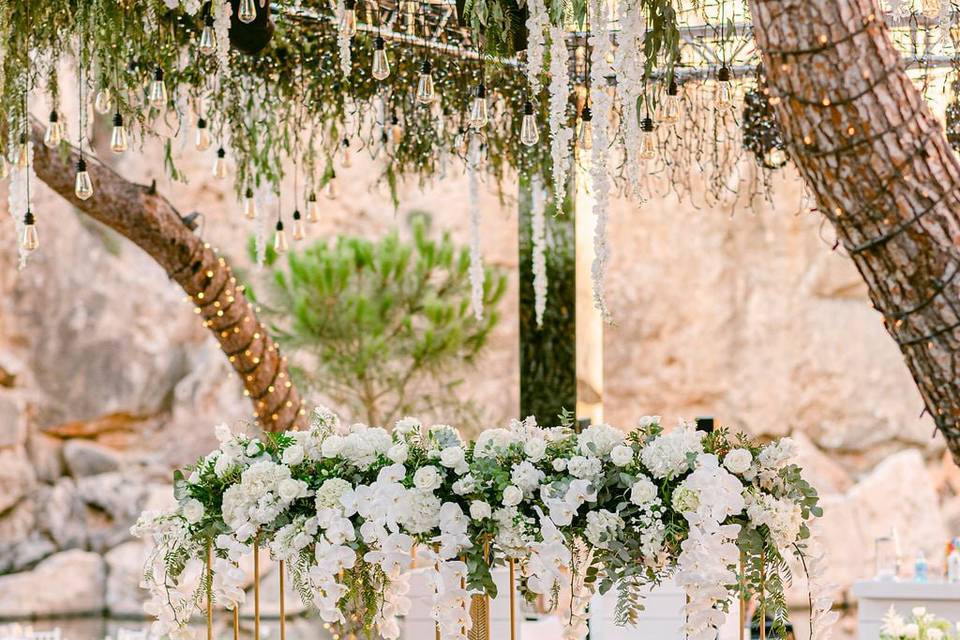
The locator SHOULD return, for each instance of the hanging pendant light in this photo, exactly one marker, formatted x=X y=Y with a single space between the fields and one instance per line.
x=249 y=205
x=220 y=164
x=425 y=89
x=648 y=139
x=529 y=134
x=331 y=190
x=54 y=133
x=30 y=239
x=22 y=156
x=118 y=138
x=247 y=11
x=724 y=89
x=208 y=40
x=299 y=233
x=346 y=156
x=203 y=135
x=83 y=186
x=478 y=109
x=381 y=65
x=585 y=132
x=313 y=208
x=280 y=244
x=348 y=21
x=670 y=113
x=158 y=89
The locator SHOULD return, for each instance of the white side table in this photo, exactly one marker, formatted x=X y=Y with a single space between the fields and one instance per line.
x=875 y=598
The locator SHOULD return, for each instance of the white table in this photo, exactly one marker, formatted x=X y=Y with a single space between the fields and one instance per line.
x=875 y=598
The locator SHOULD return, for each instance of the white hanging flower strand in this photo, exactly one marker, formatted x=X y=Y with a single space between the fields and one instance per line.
x=537 y=23
x=343 y=41
x=221 y=31
x=600 y=178
x=560 y=133
x=538 y=238
x=476 y=259
x=628 y=66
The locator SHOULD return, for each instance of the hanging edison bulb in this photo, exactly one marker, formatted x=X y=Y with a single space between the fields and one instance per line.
x=118 y=138
x=247 y=11
x=203 y=135
x=478 y=109
x=208 y=41
x=381 y=65
x=280 y=244
x=425 y=90
x=249 y=205
x=30 y=240
x=22 y=154
x=299 y=233
x=529 y=134
x=54 y=133
x=103 y=102
x=348 y=21
x=331 y=190
x=346 y=158
x=670 y=111
x=313 y=208
x=83 y=187
x=585 y=129
x=724 y=90
x=648 y=139
x=220 y=164
x=158 y=89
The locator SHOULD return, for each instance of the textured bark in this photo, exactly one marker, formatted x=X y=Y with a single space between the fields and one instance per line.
x=151 y=222
x=865 y=142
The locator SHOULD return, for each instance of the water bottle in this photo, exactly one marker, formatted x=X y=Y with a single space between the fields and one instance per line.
x=920 y=568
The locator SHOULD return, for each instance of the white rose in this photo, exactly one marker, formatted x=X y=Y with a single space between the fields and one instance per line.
x=559 y=464
x=193 y=510
x=643 y=491
x=738 y=460
x=406 y=426
x=621 y=455
x=332 y=445
x=293 y=455
x=464 y=485
x=919 y=612
x=398 y=453
x=911 y=631
x=535 y=449
x=512 y=496
x=427 y=478
x=479 y=510
x=452 y=457
x=290 y=489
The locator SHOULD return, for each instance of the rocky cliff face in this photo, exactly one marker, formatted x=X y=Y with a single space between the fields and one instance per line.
x=107 y=381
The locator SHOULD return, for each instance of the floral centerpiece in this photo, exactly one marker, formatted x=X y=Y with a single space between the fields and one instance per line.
x=922 y=626
x=345 y=507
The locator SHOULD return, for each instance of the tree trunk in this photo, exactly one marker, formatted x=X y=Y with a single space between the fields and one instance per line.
x=883 y=173
x=152 y=223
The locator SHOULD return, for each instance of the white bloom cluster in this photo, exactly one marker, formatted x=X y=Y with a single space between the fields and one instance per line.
x=512 y=535
x=548 y=559
x=537 y=22
x=343 y=40
x=360 y=447
x=599 y=440
x=782 y=517
x=603 y=527
x=221 y=31
x=669 y=454
x=264 y=491
x=526 y=476
x=600 y=68
x=738 y=461
x=561 y=135
x=629 y=65
x=451 y=603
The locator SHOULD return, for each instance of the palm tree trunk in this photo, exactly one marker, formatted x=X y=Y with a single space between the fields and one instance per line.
x=152 y=223
x=883 y=173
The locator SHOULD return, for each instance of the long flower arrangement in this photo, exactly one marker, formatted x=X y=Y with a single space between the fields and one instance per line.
x=345 y=507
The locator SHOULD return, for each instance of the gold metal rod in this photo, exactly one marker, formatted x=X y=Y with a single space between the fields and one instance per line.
x=209 y=589
x=763 y=595
x=283 y=609
x=236 y=621
x=743 y=595
x=513 y=601
x=436 y=567
x=256 y=587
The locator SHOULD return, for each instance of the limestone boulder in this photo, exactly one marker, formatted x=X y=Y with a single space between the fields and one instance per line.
x=13 y=420
x=67 y=583
x=88 y=458
x=62 y=514
x=124 y=597
x=16 y=476
x=25 y=553
x=46 y=456
x=113 y=502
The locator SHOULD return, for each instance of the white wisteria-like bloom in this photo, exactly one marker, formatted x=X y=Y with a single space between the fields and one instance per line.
x=601 y=49
x=221 y=31
x=538 y=238
x=537 y=22
x=476 y=271
x=561 y=134
x=343 y=41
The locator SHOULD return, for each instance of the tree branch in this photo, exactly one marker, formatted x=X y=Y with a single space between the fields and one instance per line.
x=151 y=222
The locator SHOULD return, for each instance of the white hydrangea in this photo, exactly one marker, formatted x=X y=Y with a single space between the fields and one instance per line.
x=602 y=527
x=599 y=440
x=777 y=454
x=584 y=468
x=526 y=476
x=330 y=492
x=783 y=518
x=492 y=442
x=421 y=512
x=670 y=454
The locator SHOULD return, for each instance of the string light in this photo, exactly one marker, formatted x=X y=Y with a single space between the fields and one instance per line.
x=158 y=89
x=425 y=90
x=118 y=138
x=203 y=140
x=348 y=21
x=30 y=240
x=724 y=94
x=247 y=11
x=381 y=64
x=585 y=129
x=280 y=244
x=83 y=186
x=298 y=231
x=220 y=164
x=478 y=109
x=313 y=208
x=346 y=158
x=648 y=139
x=529 y=134
x=249 y=205
x=22 y=157
x=54 y=133
x=208 y=41
x=670 y=114
x=331 y=190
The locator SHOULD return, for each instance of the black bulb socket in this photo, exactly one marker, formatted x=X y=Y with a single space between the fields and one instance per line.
x=28 y=218
x=586 y=115
x=379 y=44
x=81 y=165
x=221 y=153
x=723 y=75
x=296 y=214
x=646 y=125
x=201 y=123
x=394 y=120
x=346 y=143
x=672 y=88
x=312 y=197
x=481 y=90
x=426 y=67
x=208 y=21
x=279 y=225
x=248 y=193
x=54 y=116
x=117 y=120
x=158 y=74
x=23 y=138
x=528 y=108
x=350 y=5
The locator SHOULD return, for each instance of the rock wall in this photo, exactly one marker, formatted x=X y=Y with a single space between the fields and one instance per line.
x=107 y=381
